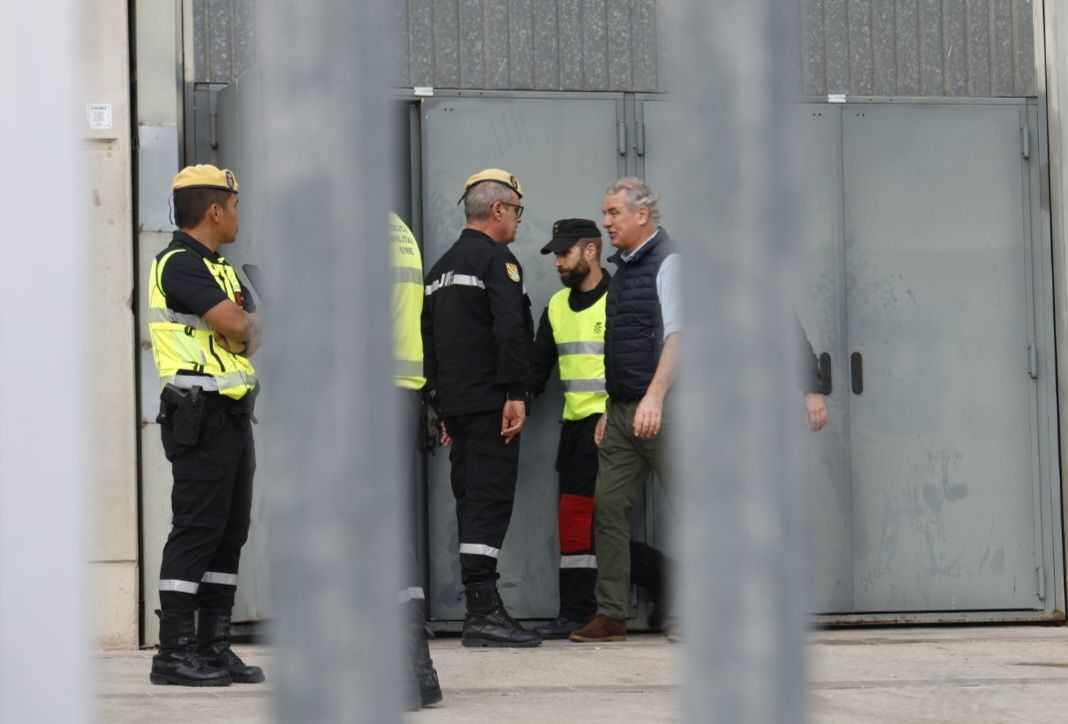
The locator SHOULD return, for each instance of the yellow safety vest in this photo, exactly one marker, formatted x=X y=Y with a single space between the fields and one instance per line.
x=579 y=338
x=186 y=343
x=408 y=294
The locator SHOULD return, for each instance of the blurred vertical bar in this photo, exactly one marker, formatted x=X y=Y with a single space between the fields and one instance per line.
x=321 y=156
x=740 y=534
x=45 y=470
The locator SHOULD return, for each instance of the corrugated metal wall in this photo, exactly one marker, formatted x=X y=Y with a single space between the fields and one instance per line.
x=967 y=48
x=223 y=39
x=589 y=45
x=971 y=48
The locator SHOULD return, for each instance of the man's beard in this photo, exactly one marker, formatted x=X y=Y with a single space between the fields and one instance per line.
x=573 y=278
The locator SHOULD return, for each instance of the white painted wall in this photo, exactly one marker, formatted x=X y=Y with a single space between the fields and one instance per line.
x=159 y=103
x=110 y=376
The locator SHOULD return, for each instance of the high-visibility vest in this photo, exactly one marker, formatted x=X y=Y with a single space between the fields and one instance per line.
x=186 y=343
x=579 y=338
x=407 y=306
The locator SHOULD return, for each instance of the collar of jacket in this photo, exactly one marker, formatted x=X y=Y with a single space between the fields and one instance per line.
x=475 y=235
x=194 y=245
x=659 y=237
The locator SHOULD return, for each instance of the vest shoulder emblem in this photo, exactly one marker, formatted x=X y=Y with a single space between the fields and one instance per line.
x=513 y=271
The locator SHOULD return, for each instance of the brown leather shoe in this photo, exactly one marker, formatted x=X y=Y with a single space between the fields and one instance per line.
x=601 y=628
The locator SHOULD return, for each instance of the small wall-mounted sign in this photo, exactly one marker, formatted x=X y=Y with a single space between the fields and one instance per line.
x=99 y=116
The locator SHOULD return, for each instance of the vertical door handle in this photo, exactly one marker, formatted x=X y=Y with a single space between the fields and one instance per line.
x=856 y=369
x=825 y=373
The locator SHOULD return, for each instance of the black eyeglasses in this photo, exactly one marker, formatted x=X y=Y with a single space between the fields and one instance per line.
x=517 y=207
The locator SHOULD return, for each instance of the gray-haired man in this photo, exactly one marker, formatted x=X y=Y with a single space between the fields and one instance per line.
x=641 y=352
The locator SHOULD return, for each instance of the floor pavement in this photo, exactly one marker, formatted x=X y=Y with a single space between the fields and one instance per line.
x=947 y=675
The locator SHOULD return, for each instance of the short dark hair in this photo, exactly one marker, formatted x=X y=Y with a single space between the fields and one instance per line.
x=190 y=205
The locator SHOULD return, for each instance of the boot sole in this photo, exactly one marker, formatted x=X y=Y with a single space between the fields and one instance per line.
x=430 y=698
x=596 y=639
x=249 y=679
x=485 y=644
x=165 y=680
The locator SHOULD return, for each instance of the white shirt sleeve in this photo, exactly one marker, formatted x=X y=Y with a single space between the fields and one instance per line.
x=667 y=288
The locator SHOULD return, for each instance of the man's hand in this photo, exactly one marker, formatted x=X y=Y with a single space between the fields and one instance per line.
x=598 y=429
x=446 y=440
x=232 y=346
x=512 y=418
x=815 y=411
x=648 y=414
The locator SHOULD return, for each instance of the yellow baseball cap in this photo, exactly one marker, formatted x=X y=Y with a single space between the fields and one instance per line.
x=205 y=176
x=496 y=175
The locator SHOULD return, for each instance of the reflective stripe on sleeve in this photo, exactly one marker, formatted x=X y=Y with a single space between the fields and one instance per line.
x=168 y=584
x=586 y=561
x=449 y=279
x=477 y=549
x=223 y=579
x=408 y=367
x=595 y=385
x=580 y=348
x=407 y=275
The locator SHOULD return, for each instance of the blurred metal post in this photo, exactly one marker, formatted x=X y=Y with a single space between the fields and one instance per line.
x=45 y=471
x=740 y=533
x=327 y=460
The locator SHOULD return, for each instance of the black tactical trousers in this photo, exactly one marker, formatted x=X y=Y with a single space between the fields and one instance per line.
x=211 y=504
x=484 y=472
x=576 y=463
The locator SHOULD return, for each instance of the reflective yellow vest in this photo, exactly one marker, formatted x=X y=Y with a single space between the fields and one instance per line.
x=186 y=343
x=579 y=338
x=408 y=294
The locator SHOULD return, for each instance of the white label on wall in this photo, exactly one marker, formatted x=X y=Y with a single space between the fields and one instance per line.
x=99 y=115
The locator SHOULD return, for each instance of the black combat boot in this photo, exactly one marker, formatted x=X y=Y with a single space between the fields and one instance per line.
x=422 y=667
x=178 y=661
x=487 y=623
x=213 y=643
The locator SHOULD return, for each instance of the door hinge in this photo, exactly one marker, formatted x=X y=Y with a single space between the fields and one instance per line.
x=213 y=119
x=621 y=138
x=1025 y=141
x=1041 y=573
x=1032 y=361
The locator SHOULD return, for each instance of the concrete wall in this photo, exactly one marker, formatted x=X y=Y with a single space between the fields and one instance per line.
x=159 y=110
x=114 y=557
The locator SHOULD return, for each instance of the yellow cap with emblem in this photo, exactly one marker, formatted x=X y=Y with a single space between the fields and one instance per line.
x=495 y=175
x=205 y=176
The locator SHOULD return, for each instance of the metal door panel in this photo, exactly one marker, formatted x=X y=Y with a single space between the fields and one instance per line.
x=564 y=153
x=821 y=311
x=944 y=477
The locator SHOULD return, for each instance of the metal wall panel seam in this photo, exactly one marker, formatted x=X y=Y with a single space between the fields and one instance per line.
x=907 y=46
x=521 y=43
x=862 y=63
x=446 y=37
x=471 y=49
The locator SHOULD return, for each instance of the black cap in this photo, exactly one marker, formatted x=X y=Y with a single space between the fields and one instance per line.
x=567 y=232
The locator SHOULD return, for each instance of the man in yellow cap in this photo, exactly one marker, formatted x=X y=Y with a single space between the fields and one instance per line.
x=477 y=335
x=204 y=331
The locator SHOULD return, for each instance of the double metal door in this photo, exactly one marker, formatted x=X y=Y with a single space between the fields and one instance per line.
x=933 y=486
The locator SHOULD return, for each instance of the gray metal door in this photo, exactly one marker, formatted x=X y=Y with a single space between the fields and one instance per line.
x=564 y=152
x=822 y=313
x=932 y=487
x=938 y=297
